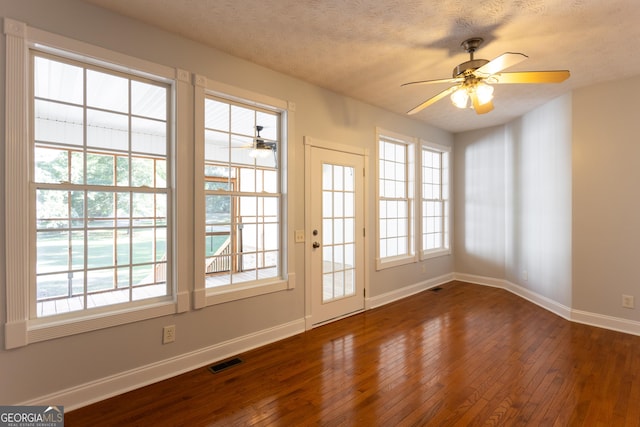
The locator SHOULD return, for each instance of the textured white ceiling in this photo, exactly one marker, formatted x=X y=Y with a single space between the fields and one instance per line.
x=366 y=49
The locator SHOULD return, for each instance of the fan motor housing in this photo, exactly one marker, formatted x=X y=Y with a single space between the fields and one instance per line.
x=472 y=65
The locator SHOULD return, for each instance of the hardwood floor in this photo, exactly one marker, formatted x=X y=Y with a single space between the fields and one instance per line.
x=466 y=355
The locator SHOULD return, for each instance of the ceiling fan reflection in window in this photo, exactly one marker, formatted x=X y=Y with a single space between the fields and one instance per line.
x=473 y=79
x=261 y=147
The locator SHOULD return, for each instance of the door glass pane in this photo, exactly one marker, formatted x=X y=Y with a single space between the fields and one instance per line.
x=338 y=232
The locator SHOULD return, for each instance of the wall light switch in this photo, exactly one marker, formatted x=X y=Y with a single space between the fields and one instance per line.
x=299 y=236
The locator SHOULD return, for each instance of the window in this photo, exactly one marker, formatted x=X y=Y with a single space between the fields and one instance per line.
x=242 y=193
x=395 y=200
x=88 y=153
x=435 y=200
x=99 y=186
x=241 y=235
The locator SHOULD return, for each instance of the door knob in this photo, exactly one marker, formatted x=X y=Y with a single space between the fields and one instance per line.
x=316 y=245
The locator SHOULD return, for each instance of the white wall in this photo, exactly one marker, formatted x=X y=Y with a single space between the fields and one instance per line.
x=69 y=364
x=606 y=202
x=479 y=196
x=513 y=193
x=538 y=217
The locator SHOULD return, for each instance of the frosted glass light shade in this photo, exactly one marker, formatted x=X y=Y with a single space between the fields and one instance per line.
x=484 y=93
x=460 y=98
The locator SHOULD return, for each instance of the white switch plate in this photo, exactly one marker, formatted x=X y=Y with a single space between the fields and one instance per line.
x=627 y=301
x=299 y=236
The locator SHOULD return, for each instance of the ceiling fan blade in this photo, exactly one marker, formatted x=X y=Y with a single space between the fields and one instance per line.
x=506 y=60
x=433 y=100
x=425 y=82
x=555 y=76
x=480 y=108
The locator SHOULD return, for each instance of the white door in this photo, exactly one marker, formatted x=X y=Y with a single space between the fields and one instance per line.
x=337 y=234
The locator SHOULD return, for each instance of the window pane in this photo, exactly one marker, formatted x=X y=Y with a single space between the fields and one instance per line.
x=247 y=180
x=148 y=100
x=100 y=208
x=216 y=146
x=52 y=251
x=243 y=120
x=270 y=184
x=100 y=169
x=240 y=149
x=100 y=248
x=218 y=209
x=216 y=115
x=107 y=130
x=107 y=91
x=142 y=172
x=58 y=81
x=269 y=123
x=327 y=177
x=148 y=136
x=54 y=122
x=51 y=165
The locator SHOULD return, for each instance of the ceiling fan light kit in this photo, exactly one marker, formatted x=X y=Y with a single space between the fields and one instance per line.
x=260 y=152
x=261 y=148
x=474 y=77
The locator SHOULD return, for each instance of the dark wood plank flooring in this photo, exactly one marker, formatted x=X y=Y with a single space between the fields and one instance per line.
x=466 y=355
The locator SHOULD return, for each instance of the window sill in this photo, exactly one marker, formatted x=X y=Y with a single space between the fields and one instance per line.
x=223 y=294
x=45 y=329
x=381 y=264
x=435 y=254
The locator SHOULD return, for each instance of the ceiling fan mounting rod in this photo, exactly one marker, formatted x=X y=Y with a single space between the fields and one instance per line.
x=471 y=45
x=468 y=67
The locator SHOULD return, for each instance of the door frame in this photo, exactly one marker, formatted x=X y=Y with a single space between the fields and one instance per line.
x=310 y=143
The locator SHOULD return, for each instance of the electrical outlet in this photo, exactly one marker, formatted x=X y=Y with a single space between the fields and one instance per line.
x=168 y=334
x=525 y=275
x=299 y=236
x=627 y=301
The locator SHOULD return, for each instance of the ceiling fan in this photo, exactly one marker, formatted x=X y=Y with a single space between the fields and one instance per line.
x=261 y=147
x=474 y=77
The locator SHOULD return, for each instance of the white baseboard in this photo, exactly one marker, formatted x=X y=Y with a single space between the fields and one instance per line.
x=578 y=316
x=104 y=388
x=608 y=322
x=406 y=291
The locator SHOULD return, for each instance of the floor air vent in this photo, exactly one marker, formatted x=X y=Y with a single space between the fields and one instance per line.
x=224 y=365
x=436 y=289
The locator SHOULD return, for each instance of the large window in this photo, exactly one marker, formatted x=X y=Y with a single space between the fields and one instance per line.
x=242 y=234
x=242 y=193
x=395 y=200
x=90 y=187
x=435 y=200
x=99 y=185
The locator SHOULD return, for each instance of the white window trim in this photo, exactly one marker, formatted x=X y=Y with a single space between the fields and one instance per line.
x=202 y=295
x=20 y=329
x=434 y=253
x=412 y=144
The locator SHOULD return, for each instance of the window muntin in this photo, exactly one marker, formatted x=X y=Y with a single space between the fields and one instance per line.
x=395 y=199
x=435 y=200
x=99 y=185
x=242 y=194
